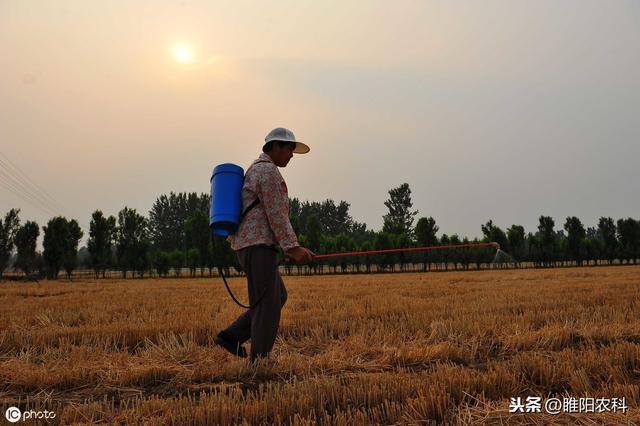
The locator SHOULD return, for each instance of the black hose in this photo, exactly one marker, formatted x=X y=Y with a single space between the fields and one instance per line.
x=264 y=293
x=234 y=297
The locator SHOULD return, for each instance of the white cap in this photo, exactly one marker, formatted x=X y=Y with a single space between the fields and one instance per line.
x=286 y=135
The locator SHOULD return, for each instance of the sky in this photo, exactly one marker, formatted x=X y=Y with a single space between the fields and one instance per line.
x=502 y=110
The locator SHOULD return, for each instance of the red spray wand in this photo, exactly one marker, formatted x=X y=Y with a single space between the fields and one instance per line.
x=411 y=249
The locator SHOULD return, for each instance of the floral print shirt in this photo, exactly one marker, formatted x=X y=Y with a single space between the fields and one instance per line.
x=268 y=222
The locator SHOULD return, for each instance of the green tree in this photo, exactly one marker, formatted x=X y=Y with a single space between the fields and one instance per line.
x=211 y=255
x=193 y=260
x=143 y=260
x=360 y=233
x=466 y=256
x=517 y=242
x=295 y=209
x=607 y=236
x=576 y=235
x=443 y=255
x=335 y=219
x=168 y=215
x=593 y=246
x=221 y=254
x=344 y=243
x=314 y=234
x=547 y=239
x=302 y=239
x=383 y=242
x=534 y=245
x=629 y=238
x=8 y=228
x=426 y=230
x=198 y=234
x=132 y=241
x=494 y=234
x=480 y=255
x=70 y=256
x=329 y=246
x=367 y=259
x=162 y=263
x=56 y=245
x=177 y=261
x=455 y=254
x=401 y=241
x=25 y=241
x=400 y=218
x=101 y=235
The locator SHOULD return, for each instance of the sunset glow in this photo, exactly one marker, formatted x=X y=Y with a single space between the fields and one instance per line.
x=183 y=53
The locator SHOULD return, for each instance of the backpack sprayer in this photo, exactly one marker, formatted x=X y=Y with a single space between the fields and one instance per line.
x=226 y=214
x=226 y=199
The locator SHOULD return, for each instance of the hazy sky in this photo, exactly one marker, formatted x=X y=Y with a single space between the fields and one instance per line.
x=500 y=110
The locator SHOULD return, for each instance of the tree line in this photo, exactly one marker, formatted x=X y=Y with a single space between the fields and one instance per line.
x=175 y=235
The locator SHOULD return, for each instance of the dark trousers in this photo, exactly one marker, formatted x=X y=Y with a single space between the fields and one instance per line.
x=260 y=324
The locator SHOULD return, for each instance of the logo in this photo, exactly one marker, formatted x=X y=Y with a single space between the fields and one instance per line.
x=13 y=414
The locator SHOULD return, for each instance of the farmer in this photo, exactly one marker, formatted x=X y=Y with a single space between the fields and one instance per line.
x=264 y=227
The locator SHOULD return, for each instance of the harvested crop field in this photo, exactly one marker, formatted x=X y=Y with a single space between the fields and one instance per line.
x=353 y=349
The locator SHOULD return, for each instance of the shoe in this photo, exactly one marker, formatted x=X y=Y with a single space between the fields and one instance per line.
x=232 y=346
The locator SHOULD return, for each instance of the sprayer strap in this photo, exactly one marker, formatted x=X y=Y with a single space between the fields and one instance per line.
x=257 y=200
x=250 y=207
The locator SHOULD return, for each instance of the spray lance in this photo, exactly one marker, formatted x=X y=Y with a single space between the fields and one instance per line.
x=226 y=214
x=406 y=250
x=369 y=252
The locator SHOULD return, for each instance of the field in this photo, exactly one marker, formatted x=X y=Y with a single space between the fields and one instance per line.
x=389 y=348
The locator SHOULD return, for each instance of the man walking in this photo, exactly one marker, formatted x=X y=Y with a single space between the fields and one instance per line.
x=265 y=226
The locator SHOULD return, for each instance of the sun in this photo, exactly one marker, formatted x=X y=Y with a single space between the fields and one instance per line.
x=183 y=53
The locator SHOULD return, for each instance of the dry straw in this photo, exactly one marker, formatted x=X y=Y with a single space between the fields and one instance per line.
x=366 y=349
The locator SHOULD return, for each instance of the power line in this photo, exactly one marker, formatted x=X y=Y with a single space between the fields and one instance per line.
x=33 y=184
x=19 y=185
x=20 y=194
x=16 y=185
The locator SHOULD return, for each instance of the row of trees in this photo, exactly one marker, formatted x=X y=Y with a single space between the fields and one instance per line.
x=607 y=241
x=176 y=234
x=546 y=246
x=165 y=241
x=60 y=244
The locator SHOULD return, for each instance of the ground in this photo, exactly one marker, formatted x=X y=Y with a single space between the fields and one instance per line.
x=352 y=349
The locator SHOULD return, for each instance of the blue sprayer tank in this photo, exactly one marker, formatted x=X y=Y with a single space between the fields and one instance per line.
x=226 y=199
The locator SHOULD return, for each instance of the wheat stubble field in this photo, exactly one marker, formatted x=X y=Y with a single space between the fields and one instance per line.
x=366 y=349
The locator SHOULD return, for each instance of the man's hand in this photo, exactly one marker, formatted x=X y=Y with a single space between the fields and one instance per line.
x=300 y=255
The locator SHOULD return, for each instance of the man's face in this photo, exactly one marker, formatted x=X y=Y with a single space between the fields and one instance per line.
x=281 y=154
